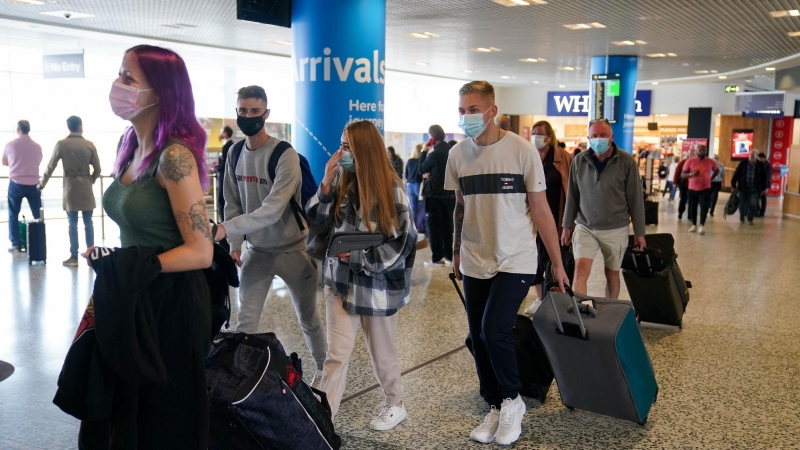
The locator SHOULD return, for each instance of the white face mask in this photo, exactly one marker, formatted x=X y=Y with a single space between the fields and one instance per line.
x=538 y=141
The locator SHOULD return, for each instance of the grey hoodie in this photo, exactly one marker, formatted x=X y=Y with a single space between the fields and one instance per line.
x=259 y=208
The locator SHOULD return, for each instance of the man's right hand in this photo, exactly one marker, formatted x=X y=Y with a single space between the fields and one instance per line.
x=566 y=236
x=457 y=266
x=237 y=256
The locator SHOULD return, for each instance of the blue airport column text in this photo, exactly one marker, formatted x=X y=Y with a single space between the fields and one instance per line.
x=626 y=67
x=338 y=52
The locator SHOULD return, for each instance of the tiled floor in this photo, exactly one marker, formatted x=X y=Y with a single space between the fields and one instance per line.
x=729 y=380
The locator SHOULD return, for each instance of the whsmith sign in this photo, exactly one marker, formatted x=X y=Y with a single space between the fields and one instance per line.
x=576 y=103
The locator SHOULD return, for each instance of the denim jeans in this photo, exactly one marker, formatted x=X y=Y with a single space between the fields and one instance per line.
x=670 y=187
x=417 y=207
x=88 y=227
x=16 y=192
x=748 y=203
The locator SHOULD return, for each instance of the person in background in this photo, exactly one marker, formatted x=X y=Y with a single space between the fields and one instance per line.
x=762 y=199
x=672 y=166
x=413 y=181
x=360 y=192
x=716 y=184
x=556 y=162
x=562 y=146
x=452 y=143
x=22 y=156
x=749 y=181
x=439 y=202
x=227 y=136
x=157 y=199
x=576 y=152
x=503 y=122
x=76 y=155
x=395 y=161
x=604 y=197
x=682 y=183
x=699 y=170
x=257 y=209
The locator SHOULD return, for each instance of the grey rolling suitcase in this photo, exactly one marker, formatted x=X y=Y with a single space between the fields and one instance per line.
x=598 y=356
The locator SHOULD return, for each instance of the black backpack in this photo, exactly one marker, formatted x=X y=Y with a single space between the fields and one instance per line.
x=663 y=172
x=308 y=187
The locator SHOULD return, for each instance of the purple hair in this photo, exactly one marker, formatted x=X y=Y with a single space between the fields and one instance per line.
x=167 y=73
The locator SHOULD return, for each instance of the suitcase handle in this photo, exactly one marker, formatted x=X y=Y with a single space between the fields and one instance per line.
x=458 y=289
x=559 y=324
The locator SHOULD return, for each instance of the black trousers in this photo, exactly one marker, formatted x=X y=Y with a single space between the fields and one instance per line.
x=716 y=186
x=762 y=205
x=440 y=226
x=702 y=199
x=683 y=188
x=492 y=307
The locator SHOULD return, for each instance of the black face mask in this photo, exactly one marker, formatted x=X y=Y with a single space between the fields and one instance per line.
x=250 y=126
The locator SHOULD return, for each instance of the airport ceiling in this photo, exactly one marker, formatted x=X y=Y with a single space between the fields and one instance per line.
x=675 y=39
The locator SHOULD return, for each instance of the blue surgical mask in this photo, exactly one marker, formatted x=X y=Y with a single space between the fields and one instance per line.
x=347 y=162
x=600 y=145
x=472 y=124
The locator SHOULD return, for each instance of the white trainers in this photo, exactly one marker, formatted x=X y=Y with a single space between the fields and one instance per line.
x=439 y=263
x=692 y=229
x=531 y=310
x=388 y=417
x=701 y=230
x=316 y=382
x=510 y=428
x=486 y=431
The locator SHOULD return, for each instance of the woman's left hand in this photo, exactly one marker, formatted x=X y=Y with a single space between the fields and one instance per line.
x=344 y=257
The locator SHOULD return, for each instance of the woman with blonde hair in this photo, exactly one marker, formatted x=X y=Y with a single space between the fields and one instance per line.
x=413 y=182
x=361 y=192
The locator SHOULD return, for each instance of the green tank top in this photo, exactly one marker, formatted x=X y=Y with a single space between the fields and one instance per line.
x=143 y=211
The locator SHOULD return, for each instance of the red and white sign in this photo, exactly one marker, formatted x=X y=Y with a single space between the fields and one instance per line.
x=692 y=144
x=781 y=141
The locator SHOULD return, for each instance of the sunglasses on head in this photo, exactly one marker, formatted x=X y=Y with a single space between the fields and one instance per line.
x=592 y=122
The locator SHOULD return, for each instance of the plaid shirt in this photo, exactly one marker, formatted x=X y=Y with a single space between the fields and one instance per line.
x=377 y=281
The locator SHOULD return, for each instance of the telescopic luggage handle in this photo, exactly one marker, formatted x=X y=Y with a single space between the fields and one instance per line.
x=458 y=289
x=575 y=308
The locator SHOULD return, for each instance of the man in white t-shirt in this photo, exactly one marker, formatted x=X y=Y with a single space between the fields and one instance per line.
x=500 y=204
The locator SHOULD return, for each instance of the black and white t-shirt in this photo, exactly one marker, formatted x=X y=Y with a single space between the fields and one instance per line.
x=498 y=234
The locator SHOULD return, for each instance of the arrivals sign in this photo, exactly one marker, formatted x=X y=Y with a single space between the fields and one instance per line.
x=63 y=66
x=576 y=103
x=781 y=140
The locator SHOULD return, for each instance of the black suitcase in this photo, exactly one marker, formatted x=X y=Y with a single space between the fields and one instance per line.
x=655 y=283
x=650 y=213
x=532 y=362
x=567 y=259
x=37 y=241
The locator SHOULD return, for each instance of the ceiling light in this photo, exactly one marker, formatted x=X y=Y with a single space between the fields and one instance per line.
x=535 y=82
x=701 y=71
x=529 y=60
x=597 y=25
x=662 y=115
x=777 y=14
x=505 y=77
x=67 y=14
x=429 y=34
x=520 y=2
x=656 y=55
x=794 y=12
x=770 y=69
x=542 y=60
x=723 y=77
x=672 y=55
x=467 y=71
x=748 y=81
x=495 y=49
x=623 y=43
x=794 y=34
x=482 y=49
x=713 y=71
x=283 y=42
x=29 y=2
x=578 y=26
x=654 y=83
x=640 y=42
x=562 y=85
x=420 y=35
x=537 y=2
x=421 y=63
x=566 y=68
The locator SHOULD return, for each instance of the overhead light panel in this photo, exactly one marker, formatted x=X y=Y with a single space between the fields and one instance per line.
x=467 y=71
x=723 y=77
x=482 y=49
x=420 y=35
x=562 y=85
x=713 y=71
x=566 y=68
x=701 y=72
x=283 y=42
x=770 y=69
x=584 y=26
x=536 y=82
x=748 y=81
x=69 y=15
x=662 y=115
x=672 y=55
x=623 y=43
x=656 y=55
x=532 y=60
x=794 y=34
x=654 y=83
x=641 y=42
x=785 y=13
x=505 y=77
x=29 y=2
x=597 y=25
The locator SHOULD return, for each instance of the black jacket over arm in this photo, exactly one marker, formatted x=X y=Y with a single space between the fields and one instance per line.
x=739 y=179
x=434 y=162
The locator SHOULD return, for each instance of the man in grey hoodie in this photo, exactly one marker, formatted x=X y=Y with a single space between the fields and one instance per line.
x=257 y=209
x=603 y=196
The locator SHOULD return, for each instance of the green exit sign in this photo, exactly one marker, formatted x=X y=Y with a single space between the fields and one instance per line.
x=732 y=89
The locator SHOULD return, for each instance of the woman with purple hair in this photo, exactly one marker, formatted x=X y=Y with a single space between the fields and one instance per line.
x=157 y=201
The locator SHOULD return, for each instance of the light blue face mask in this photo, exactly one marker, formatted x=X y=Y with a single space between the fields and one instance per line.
x=600 y=145
x=347 y=162
x=472 y=124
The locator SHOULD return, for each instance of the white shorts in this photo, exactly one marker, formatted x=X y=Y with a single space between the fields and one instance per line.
x=612 y=243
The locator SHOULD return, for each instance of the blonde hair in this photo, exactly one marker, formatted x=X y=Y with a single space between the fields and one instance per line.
x=374 y=178
x=478 y=87
x=418 y=150
x=547 y=129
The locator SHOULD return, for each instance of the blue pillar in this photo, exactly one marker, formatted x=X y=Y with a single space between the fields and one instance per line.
x=338 y=50
x=623 y=68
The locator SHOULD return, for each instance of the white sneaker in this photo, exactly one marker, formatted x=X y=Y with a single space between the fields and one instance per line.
x=316 y=382
x=510 y=428
x=439 y=263
x=388 y=417
x=701 y=230
x=531 y=310
x=448 y=262
x=692 y=229
x=486 y=431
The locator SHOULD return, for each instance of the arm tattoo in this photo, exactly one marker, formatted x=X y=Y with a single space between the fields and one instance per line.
x=177 y=163
x=196 y=219
x=458 y=220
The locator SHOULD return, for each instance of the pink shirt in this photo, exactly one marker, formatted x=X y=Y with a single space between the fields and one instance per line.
x=22 y=156
x=706 y=166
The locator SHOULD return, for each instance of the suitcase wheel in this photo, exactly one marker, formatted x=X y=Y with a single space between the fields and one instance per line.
x=643 y=423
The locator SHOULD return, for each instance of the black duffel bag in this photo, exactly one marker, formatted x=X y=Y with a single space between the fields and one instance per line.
x=258 y=398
